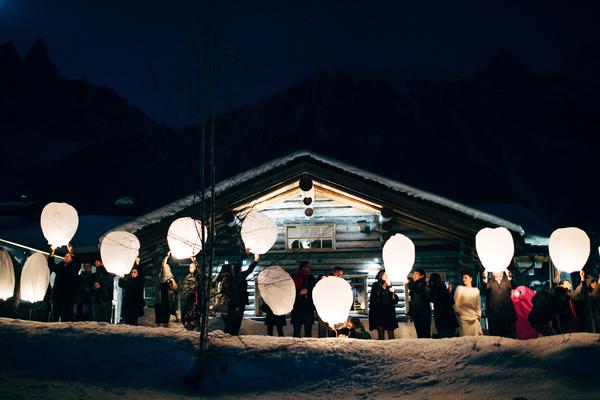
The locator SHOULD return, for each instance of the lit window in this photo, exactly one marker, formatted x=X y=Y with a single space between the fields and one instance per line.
x=310 y=237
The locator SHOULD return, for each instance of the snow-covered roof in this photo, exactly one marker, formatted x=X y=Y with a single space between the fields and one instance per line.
x=159 y=214
x=537 y=232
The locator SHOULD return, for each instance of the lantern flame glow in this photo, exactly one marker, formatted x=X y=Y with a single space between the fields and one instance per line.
x=59 y=223
x=277 y=289
x=185 y=237
x=569 y=249
x=495 y=248
x=118 y=251
x=35 y=278
x=333 y=299
x=398 y=257
x=259 y=233
x=7 y=275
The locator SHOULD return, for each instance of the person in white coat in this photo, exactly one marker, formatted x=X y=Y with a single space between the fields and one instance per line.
x=467 y=303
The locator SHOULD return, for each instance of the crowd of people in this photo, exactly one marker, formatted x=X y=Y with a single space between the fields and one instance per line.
x=78 y=294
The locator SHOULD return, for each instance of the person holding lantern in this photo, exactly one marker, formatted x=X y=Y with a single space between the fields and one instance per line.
x=234 y=287
x=133 y=296
x=584 y=303
x=382 y=307
x=303 y=313
x=166 y=294
x=65 y=285
x=500 y=309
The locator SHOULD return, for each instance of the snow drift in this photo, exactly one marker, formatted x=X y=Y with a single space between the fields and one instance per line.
x=95 y=360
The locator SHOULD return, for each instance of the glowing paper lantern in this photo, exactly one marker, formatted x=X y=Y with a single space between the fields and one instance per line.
x=333 y=299
x=35 y=278
x=495 y=248
x=398 y=257
x=59 y=223
x=118 y=251
x=7 y=275
x=277 y=289
x=259 y=233
x=569 y=249
x=185 y=237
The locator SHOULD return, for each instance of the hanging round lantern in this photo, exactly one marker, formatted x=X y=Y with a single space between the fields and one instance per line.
x=398 y=257
x=59 y=223
x=333 y=299
x=259 y=233
x=35 y=278
x=495 y=248
x=7 y=275
x=569 y=249
x=185 y=237
x=277 y=289
x=118 y=251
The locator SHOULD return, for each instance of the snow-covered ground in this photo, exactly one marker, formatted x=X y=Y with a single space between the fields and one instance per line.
x=100 y=361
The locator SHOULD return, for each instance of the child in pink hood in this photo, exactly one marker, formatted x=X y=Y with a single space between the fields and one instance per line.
x=521 y=298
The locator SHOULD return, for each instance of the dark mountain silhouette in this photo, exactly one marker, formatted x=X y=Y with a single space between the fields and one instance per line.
x=45 y=117
x=504 y=135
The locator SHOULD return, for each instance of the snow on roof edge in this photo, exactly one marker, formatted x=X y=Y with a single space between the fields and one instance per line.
x=157 y=215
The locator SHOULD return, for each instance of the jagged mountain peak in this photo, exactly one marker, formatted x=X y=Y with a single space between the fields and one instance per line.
x=37 y=62
x=505 y=72
x=9 y=55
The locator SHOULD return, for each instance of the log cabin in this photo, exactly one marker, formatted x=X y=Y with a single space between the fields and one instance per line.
x=334 y=215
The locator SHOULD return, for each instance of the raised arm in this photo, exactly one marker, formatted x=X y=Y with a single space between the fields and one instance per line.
x=251 y=267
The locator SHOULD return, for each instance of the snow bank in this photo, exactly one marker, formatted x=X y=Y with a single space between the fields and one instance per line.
x=91 y=360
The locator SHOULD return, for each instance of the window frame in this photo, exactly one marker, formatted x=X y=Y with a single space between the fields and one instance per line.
x=312 y=249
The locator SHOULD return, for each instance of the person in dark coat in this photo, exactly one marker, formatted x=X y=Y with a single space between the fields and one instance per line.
x=500 y=309
x=102 y=292
x=420 y=308
x=83 y=308
x=189 y=301
x=543 y=313
x=354 y=329
x=65 y=285
x=584 y=305
x=566 y=315
x=272 y=320
x=235 y=289
x=382 y=307
x=133 y=296
x=303 y=313
x=444 y=315
x=165 y=305
x=595 y=302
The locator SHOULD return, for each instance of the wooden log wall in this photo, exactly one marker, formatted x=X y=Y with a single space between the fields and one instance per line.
x=358 y=245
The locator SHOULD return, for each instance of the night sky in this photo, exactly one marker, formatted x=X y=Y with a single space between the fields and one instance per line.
x=148 y=50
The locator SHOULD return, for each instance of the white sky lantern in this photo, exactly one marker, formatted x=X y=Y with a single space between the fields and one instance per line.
x=398 y=257
x=7 y=275
x=259 y=233
x=35 y=278
x=59 y=223
x=277 y=289
x=185 y=237
x=495 y=248
x=118 y=251
x=333 y=299
x=569 y=249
